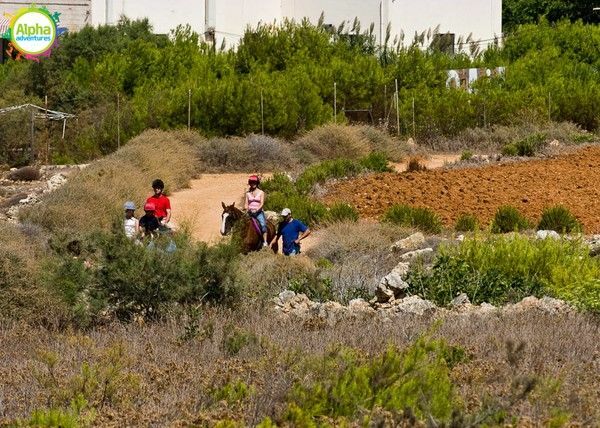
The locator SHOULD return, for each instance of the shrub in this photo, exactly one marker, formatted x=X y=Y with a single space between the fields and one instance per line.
x=559 y=219
x=339 y=168
x=510 y=150
x=376 y=162
x=303 y=208
x=118 y=276
x=525 y=147
x=26 y=173
x=509 y=219
x=466 y=223
x=466 y=155
x=423 y=219
x=415 y=165
x=502 y=269
x=23 y=294
x=341 y=212
x=330 y=142
x=253 y=153
x=350 y=387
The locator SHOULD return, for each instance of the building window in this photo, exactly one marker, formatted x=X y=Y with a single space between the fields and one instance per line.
x=443 y=42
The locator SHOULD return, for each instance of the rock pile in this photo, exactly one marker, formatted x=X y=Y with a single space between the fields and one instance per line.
x=290 y=304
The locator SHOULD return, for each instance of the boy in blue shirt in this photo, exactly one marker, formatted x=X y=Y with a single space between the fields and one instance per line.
x=292 y=231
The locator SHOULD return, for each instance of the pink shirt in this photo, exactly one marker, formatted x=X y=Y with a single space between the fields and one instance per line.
x=254 y=201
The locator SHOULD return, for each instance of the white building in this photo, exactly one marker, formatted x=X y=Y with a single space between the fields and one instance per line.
x=228 y=19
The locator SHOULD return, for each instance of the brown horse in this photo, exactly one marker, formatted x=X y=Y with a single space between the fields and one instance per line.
x=235 y=219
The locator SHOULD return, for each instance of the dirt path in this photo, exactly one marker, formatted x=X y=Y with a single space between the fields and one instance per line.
x=570 y=180
x=199 y=207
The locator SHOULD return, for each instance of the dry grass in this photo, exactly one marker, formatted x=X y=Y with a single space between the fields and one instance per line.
x=94 y=197
x=164 y=380
x=357 y=255
x=491 y=140
x=350 y=142
x=21 y=295
x=254 y=153
x=262 y=275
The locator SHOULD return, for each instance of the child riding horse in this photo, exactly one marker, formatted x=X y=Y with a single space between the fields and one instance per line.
x=248 y=228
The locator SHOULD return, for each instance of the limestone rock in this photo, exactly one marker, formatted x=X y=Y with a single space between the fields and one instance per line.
x=414 y=305
x=412 y=242
x=545 y=234
x=411 y=255
x=460 y=300
x=394 y=280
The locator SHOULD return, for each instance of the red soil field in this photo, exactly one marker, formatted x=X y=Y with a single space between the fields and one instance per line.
x=572 y=180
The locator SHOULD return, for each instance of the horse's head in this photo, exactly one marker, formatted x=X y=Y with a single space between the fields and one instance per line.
x=230 y=215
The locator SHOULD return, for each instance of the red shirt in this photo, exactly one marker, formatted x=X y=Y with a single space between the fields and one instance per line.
x=161 y=203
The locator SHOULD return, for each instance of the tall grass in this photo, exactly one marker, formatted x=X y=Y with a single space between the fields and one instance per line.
x=92 y=198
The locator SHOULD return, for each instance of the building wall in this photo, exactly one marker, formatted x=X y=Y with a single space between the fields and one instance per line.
x=230 y=18
x=483 y=18
x=74 y=14
x=164 y=15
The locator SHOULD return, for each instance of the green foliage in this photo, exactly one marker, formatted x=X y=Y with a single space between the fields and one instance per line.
x=509 y=219
x=420 y=218
x=314 y=286
x=502 y=269
x=526 y=147
x=72 y=417
x=292 y=65
x=235 y=339
x=559 y=219
x=232 y=392
x=466 y=155
x=283 y=192
x=341 y=212
x=350 y=387
x=466 y=223
x=339 y=168
x=131 y=279
x=519 y=12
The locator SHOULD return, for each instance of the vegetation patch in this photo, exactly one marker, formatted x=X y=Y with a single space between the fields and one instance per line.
x=423 y=219
x=509 y=219
x=505 y=269
x=559 y=219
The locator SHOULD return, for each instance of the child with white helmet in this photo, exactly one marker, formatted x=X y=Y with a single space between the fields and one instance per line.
x=130 y=224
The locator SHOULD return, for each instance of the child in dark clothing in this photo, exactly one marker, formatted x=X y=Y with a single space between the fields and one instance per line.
x=149 y=224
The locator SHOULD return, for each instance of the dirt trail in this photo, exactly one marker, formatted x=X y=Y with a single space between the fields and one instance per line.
x=199 y=207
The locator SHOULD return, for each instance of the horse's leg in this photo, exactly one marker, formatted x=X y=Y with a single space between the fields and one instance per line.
x=252 y=240
x=270 y=235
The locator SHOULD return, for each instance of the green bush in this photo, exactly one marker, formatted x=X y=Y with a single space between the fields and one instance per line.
x=340 y=168
x=466 y=223
x=526 y=147
x=559 y=219
x=509 y=219
x=348 y=387
x=129 y=279
x=303 y=207
x=510 y=150
x=466 y=155
x=502 y=269
x=341 y=212
x=423 y=219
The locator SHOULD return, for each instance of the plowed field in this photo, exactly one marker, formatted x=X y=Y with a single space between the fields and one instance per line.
x=572 y=180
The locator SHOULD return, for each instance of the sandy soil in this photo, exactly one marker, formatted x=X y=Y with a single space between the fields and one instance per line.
x=199 y=207
x=571 y=180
